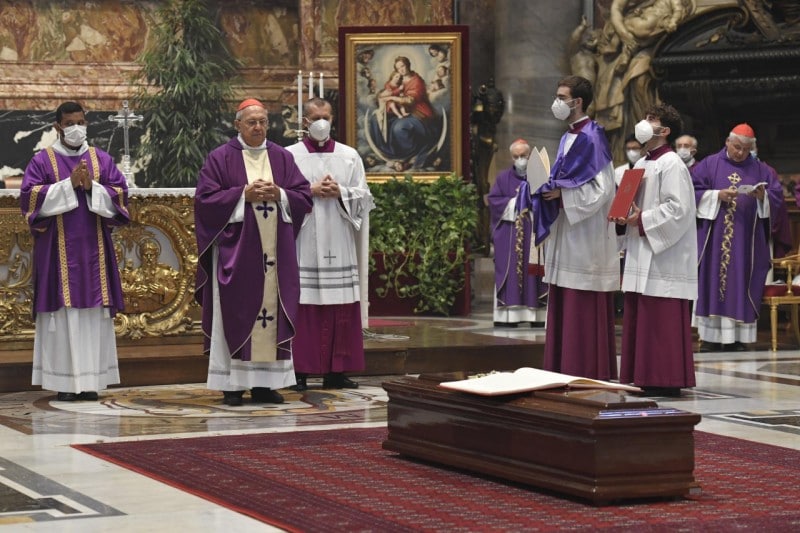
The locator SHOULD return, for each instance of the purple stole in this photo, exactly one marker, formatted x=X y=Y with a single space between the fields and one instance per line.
x=587 y=156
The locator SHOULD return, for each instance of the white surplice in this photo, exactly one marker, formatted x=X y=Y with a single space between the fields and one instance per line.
x=333 y=244
x=581 y=251
x=663 y=263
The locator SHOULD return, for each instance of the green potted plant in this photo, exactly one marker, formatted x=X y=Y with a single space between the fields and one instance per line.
x=421 y=237
x=185 y=82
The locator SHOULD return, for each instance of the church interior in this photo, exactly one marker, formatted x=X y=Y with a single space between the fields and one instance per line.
x=718 y=62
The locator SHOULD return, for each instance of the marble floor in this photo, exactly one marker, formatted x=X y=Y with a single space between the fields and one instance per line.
x=45 y=485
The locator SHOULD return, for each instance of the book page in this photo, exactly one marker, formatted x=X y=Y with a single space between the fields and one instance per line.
x=746 y=189
x=527 y=379
x=538 y=174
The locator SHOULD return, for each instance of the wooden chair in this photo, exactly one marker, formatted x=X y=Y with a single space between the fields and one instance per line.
x=787 y=294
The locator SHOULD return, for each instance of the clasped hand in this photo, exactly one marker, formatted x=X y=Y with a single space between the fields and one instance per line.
x=262 y=191
x=327 y=188
x=80 y=177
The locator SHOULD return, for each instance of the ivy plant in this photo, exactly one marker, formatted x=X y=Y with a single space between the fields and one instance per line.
x=185 y=82
x=421 y=236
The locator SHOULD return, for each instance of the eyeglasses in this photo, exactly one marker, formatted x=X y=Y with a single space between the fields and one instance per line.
x=253 y=123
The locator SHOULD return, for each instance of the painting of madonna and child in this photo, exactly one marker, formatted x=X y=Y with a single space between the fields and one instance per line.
x=403 y=114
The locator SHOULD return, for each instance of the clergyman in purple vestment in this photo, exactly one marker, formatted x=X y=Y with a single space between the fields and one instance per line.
x=737 y=195
x=250 y=201
x=517 y=289
x=72 y=195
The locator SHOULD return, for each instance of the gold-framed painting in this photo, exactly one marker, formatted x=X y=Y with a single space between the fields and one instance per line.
x=402 y=99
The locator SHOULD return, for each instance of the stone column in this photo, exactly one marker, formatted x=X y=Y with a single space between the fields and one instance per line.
x=531 y=43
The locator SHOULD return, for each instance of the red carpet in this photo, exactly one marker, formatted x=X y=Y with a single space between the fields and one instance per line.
x=341 y=480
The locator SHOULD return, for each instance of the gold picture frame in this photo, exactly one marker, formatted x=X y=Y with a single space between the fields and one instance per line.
x=414 y=125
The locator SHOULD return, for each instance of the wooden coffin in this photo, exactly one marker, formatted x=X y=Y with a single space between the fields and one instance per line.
x=599 y=445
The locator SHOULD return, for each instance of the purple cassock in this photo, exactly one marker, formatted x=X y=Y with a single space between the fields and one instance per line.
x=588 y=155
x=240 y=271
x=512 y=240
x=75 y=246
x=733 y=249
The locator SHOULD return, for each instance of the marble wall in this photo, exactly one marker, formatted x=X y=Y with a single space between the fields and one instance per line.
x=56 y=50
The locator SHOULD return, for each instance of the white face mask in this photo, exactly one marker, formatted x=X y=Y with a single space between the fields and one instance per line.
x=633 y=156
x=521 y=164
x=75 y=135
x=643 y=131
x=685 y=154
x=560 y=109
x=319 y=130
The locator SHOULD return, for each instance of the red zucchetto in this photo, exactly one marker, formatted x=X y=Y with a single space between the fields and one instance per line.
x=744 y=130
x=248 y=103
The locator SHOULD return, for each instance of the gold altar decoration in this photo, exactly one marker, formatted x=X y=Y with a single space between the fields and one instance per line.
x=156 y=255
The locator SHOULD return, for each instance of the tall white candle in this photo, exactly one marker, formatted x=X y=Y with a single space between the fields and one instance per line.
x=310 y=85
x=321 y=94
x=299 y=98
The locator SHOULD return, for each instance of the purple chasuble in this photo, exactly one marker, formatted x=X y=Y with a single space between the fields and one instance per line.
x=512 y=240
x=242 y=264
x=74 y=261
x=733 y=249
x=588 y=155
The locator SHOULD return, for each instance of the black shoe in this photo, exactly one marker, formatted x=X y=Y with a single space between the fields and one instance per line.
x=706 y=347
x=669 y=392
x=232 y=398
x=66 y=397
x=734 y=347
x=88 y=396
x=506 y=324
x=337 y=380
x=301 y=385
x=265 y=395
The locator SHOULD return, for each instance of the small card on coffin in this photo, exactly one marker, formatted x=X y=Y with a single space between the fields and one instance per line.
x=626 y=192
x=529 y=379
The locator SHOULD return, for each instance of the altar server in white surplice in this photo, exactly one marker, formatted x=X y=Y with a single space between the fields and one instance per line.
x=660 y=278
x=332 y=251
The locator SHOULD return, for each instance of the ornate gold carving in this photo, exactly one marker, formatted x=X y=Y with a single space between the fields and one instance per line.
x=16 y=290
x=157 y=257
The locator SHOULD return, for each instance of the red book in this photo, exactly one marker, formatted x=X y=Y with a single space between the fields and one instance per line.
x=626 y=192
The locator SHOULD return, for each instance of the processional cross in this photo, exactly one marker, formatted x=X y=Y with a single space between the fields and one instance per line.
x=125 y=118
